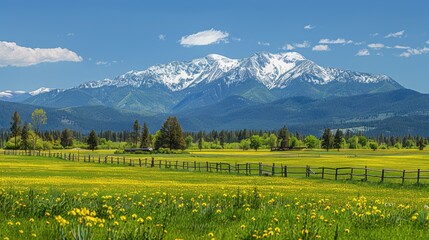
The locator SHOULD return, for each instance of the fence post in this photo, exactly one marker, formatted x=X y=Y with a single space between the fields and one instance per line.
x=285 y=171
x=195 y=165
x=250 y=169
x=207 y=166
x=273 y=170
x=99 y=159
x=418 y=176
x=237 y=168
x=382 y=175
x=123 y=160
x=152 y=163
x=229 y=167
x=366 y=173
x=351 y=174
x=403 y=177
x=323 y=172
x=336 y=174
x=260 y=169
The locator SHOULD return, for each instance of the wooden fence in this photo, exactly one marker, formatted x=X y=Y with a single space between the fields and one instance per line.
x=417 y=176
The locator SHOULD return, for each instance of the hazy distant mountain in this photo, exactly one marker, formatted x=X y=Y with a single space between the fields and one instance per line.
x=176 y=86
x=19 y=96
x=395 y=112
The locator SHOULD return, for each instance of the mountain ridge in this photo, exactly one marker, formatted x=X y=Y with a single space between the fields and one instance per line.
x=176 y=86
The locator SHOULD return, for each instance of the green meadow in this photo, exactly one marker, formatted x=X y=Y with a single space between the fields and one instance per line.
x=51 y=198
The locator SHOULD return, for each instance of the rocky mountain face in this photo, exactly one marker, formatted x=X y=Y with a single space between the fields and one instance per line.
x=177 y=86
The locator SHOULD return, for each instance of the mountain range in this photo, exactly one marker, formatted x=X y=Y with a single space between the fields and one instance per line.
x=263 y=91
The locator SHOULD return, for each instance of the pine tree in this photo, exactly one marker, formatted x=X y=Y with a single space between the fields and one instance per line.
x=171 y=135
x=92 y=140
x=25 y=137
x=327 y=139
x=200 y=140
x=145 y=138
x=136 y=131
x=284 y=137
x=338 y=139
x=421 y=143
x=15 y=127
x=66 y=138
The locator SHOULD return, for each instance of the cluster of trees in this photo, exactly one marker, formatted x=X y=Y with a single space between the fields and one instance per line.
x=170 y=136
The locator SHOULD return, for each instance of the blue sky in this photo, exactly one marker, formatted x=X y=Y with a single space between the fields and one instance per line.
x=60 y=44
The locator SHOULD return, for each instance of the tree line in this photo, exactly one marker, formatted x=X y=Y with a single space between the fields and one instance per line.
x=170 y=136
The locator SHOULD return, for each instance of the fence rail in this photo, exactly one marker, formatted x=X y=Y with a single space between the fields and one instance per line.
x=251 y=169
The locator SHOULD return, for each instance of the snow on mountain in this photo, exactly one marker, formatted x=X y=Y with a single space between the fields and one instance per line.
x=40 y=91
x=272 y=70
x=19 y=96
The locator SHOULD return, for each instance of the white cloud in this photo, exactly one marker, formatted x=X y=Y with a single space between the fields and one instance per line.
x=395 y=35
x=414 y=51
x=203 y=38
x=374 y=34
x=304 y=44
x=427 y=42
x=288 y=47
x=101 y=63
x=376 y=46
x=236 y=39
x=70 y=34
x=13 y=55
x=321 y=48
x=161 y=37
x=335 y=41
x=309 y=27
x=363 y=52
x=264 y=43
x=401 y=47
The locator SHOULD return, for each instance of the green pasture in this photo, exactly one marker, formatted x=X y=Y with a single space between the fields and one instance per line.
x=283 y=207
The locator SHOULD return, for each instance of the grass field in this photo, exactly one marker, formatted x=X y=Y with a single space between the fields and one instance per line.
x=48 y=198
x=390 y=158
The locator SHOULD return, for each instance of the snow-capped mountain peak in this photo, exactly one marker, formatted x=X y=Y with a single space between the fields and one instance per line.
x=273 y=70
x=40 y=91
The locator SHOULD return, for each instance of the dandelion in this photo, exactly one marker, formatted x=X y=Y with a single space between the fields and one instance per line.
x=123 y=218
x=347 y=230
x=140 y=220
x=242 y=227
x=31 y=220
x=210 y=234
x=34 y=235
x=149 y=218
x=134 y=216
x=414 y=218
x=21 y=231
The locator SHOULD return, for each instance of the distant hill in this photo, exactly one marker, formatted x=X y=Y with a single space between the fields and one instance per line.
x=395 y=112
